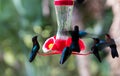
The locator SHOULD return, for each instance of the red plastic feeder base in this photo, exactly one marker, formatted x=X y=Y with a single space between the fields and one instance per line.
x=63 y=2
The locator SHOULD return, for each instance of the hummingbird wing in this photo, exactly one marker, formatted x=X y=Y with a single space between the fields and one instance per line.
x=33 y=53
x=82 y=34
x=65 y=55
x=96 y=53
x=113 y=47
x=102 y=44
x=114 y=52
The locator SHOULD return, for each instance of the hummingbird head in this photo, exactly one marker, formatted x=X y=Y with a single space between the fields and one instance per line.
x=76 y=28
x=96 y=40
x=107 y=36
x=34 y=38
x=80 y=1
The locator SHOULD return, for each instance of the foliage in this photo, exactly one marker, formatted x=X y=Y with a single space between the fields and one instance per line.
x=19 y=21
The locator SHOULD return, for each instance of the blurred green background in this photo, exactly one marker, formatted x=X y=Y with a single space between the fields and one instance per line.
x=20 y=20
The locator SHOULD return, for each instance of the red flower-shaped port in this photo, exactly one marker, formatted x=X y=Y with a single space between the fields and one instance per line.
x=55 y=46
x=48 y=45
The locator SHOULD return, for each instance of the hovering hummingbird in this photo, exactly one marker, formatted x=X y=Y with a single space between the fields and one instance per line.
x=112 y=45
x=65 y=55
x=35 y=49
x=95 y=48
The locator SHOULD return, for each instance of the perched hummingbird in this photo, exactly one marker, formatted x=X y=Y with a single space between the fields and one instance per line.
x=112 y=45
x=74 y=46
x=65 y=55
x=95 y=48
x=35 y=49
x=75 y=39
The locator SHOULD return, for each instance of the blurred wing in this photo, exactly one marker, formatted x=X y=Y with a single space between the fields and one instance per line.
x=115 y=41
x=96 y=52
x=82 y=34
x=89 y=35
x=97 y=56
x=33 y=53
x=34 y=49
x=65 y=55
x=114 y=52
x=103 y=44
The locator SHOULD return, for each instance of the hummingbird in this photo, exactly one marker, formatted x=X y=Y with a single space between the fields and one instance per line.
x=75 y=39
x=65 y=55
x=35 y=49
x=112 y=45
x=74 y=46
x=95 y=48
